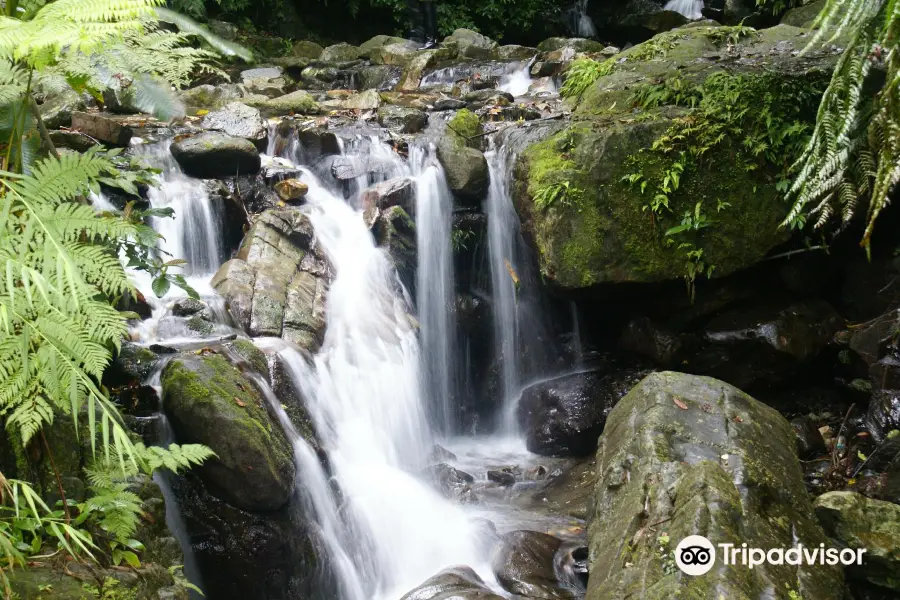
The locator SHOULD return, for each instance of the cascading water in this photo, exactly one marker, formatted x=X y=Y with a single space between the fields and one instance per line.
x=435 y=288
x=363 y=392
x=692 y=9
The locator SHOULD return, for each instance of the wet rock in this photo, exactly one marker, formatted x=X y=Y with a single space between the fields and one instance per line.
x=396 y=52
x=238 y=120
x=400 y=191
x=102 y=128
x=471 y=44
x=148 y=581
x=464 y=164
x=883 y=414
x=524 y=563
x=367 y=100
x=403 y=120
x=440 y=454
x=514 y=52
x=345 y=168
x=456 y=583
x=339 y=53
x=368 y=48
x=565 y=416
x=210 y=97
x=488 y=96
x=859 y=522
x=299 y=102
x=872 y=341
x=449 y=104
x=706 y=459
x=504 y=477
x=810 y=442
x=212 y=154
x=307 y=49
x=208 y=401
x=133 y=364
x=452 y=483
x=186 y=307
x=379 y=77
x=291 y=190
x=276 y=285
x=395 y=231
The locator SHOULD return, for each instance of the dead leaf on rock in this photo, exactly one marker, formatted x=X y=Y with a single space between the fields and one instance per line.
x=680 y=404
x=239 y=402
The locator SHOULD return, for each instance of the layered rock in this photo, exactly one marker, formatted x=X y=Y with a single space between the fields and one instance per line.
x=690 y=455
x=277 y=283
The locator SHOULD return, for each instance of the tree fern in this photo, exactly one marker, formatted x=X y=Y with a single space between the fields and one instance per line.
x=854 y=151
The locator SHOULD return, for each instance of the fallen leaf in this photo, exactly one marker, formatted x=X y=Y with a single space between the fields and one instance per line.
x=239 y=402
x=680 y=404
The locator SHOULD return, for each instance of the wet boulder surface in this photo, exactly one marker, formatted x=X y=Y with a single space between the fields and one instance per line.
x=705 y=459
x=215 y=154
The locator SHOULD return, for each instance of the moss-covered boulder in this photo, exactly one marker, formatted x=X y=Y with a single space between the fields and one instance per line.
x=299 y=102
x=859 y=522
x=471 y=44
x=339 y=53
x=211 y=402
x=80 y=582
x=460 y=154
x=276 y=285
x=684 y=455
x=597 y=200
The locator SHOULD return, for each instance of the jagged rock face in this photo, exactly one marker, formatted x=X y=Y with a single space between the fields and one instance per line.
x=277 y=284
x=858 y=522
x=705 y=459
x=212 y=154
x=603 y=234
x=210 y=402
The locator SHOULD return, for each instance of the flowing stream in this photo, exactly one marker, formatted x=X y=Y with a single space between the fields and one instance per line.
x=692 y=9
x=380 y=391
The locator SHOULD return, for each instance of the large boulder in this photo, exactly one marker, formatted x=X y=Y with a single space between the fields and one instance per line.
x=565 y=416
x=686 y=455
x=56 y=107
x=402 y=120
x=455 y=583
x=369 y=48
x=212 y=154
x=307 y=49
x=238 y=120
x=525 y=564
x=208 y=401
x=471 y=44
x=858 y=522
x=395 y=231
x=339 y=53
x=592 y=224
x=464 y=163
x=276 y=284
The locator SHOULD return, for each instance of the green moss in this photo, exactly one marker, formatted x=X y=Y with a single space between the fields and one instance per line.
x=247 y=350
x=468 y=128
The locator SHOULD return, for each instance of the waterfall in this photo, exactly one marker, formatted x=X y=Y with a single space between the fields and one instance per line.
x=520 y=331
x=194 y=234
x=692 y=9
x=363 y=392
x=434 y=286
x=517 y=82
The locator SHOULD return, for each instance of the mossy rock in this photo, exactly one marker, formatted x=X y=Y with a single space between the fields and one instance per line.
x=79 y=582
x=460 y=154
x=211 y=402
x=686 y=455
x=602 y=230
x=859 y=522
x=299 y=102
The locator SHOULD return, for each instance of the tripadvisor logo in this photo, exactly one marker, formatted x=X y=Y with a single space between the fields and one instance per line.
x=696 y=555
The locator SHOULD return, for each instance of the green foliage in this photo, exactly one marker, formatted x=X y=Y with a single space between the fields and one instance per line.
x=730 y=35
x=854 y=151
x=582 y=73
x=459 y=239
x=767 y=115
x=656 y=47
x=776 y=7
x=562 y=192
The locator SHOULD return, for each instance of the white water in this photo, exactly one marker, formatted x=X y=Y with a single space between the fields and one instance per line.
x=434 y=286
x=518 y=82
x=363 y=391
x=689 y=8
x=503 y=231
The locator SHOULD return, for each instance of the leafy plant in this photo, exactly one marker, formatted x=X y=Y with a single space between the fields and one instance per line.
x=730 y=35
x=854 y=151
x=582 y=74
x=691 y=221
x=675 y=91
x=562 y=192
x=656 y=47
